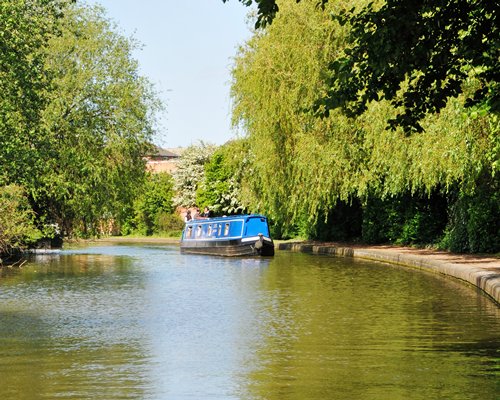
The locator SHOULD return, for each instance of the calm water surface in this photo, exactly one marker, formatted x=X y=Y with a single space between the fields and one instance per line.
x=145 y=322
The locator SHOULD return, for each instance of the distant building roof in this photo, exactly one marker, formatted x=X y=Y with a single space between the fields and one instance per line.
x=176 y=150
x=163 y=160
x=164 y=153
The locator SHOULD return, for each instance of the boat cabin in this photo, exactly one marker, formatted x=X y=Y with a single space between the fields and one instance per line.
x=236 y=235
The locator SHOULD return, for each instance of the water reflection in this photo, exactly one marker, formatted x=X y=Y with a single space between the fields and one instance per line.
x=366 y=332
x=58 y=335
x=143 y=322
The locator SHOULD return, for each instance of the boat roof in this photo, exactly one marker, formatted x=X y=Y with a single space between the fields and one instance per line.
x=224 y=218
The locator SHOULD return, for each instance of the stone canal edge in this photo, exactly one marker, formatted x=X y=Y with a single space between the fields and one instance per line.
x=480 y=271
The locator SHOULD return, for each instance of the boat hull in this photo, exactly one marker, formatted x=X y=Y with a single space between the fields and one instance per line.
x=229 y=248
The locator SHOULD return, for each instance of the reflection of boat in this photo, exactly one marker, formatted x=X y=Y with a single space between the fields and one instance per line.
x=239 y=235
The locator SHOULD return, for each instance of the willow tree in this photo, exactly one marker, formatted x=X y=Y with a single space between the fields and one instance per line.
x=100 y=116
x=431 y=47
x=304 y=163
x=301 y=163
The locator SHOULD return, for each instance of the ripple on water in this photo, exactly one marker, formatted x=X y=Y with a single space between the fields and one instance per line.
x=143 y=321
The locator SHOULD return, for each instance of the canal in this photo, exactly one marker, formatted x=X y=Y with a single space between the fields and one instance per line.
x=139 y=321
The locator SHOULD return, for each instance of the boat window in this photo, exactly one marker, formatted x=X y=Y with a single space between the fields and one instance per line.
x=189 y=231
x=209 y=230
x=219 y=230
x=214 y=227
x=198 y=231
x=226 y=229
x=254 y=226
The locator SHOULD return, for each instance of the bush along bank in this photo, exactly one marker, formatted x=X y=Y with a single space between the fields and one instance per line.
x=458 y=222
x=18 y=230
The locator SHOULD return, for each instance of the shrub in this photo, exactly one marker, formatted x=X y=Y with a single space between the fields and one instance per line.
x=405 y=219
x=474 y=220
x=155 y=199
x=17 y=229
x=169 y=223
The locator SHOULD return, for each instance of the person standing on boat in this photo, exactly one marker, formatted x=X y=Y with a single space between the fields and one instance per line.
x=207 y=213
x=187 y=218
x=196 y=213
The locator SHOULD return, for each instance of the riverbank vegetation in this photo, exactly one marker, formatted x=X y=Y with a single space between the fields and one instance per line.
x=17 y=226
x=153 y=211
x=333 y=176
x=77 y=119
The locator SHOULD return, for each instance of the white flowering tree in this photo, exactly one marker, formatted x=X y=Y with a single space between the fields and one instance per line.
x=190 y=173
x=221 y=189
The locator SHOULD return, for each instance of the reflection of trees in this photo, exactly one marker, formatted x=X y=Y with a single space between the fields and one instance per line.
x=337 y=328
x=36 y=365
x=293 y=327
x=67 y=328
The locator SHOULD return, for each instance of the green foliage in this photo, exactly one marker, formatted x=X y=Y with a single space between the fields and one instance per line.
x=429 y=47
x=170 y=224
x=190 y=173
x=304 y=165
x=100 y=117
x=26 y=26
x=150 y=207
x=220 y=189
x=493 y=154
x=17 y=227
x=474 y=223
x=215 y=182
x=75 y=116
x=405 y=219
x=276 y=77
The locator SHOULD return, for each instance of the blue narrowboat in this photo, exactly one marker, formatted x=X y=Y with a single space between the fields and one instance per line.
x=239 y=235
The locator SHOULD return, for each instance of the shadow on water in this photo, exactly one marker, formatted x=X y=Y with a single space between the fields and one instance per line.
x=145 y=322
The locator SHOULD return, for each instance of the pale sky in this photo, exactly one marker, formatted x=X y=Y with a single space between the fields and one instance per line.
x=188 y=46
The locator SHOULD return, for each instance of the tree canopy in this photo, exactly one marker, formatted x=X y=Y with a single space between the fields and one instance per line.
x=100 y=115
x=415 y=54
x=190 y=173
x=305 y=166
x=26 y=27
x=75 y=115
